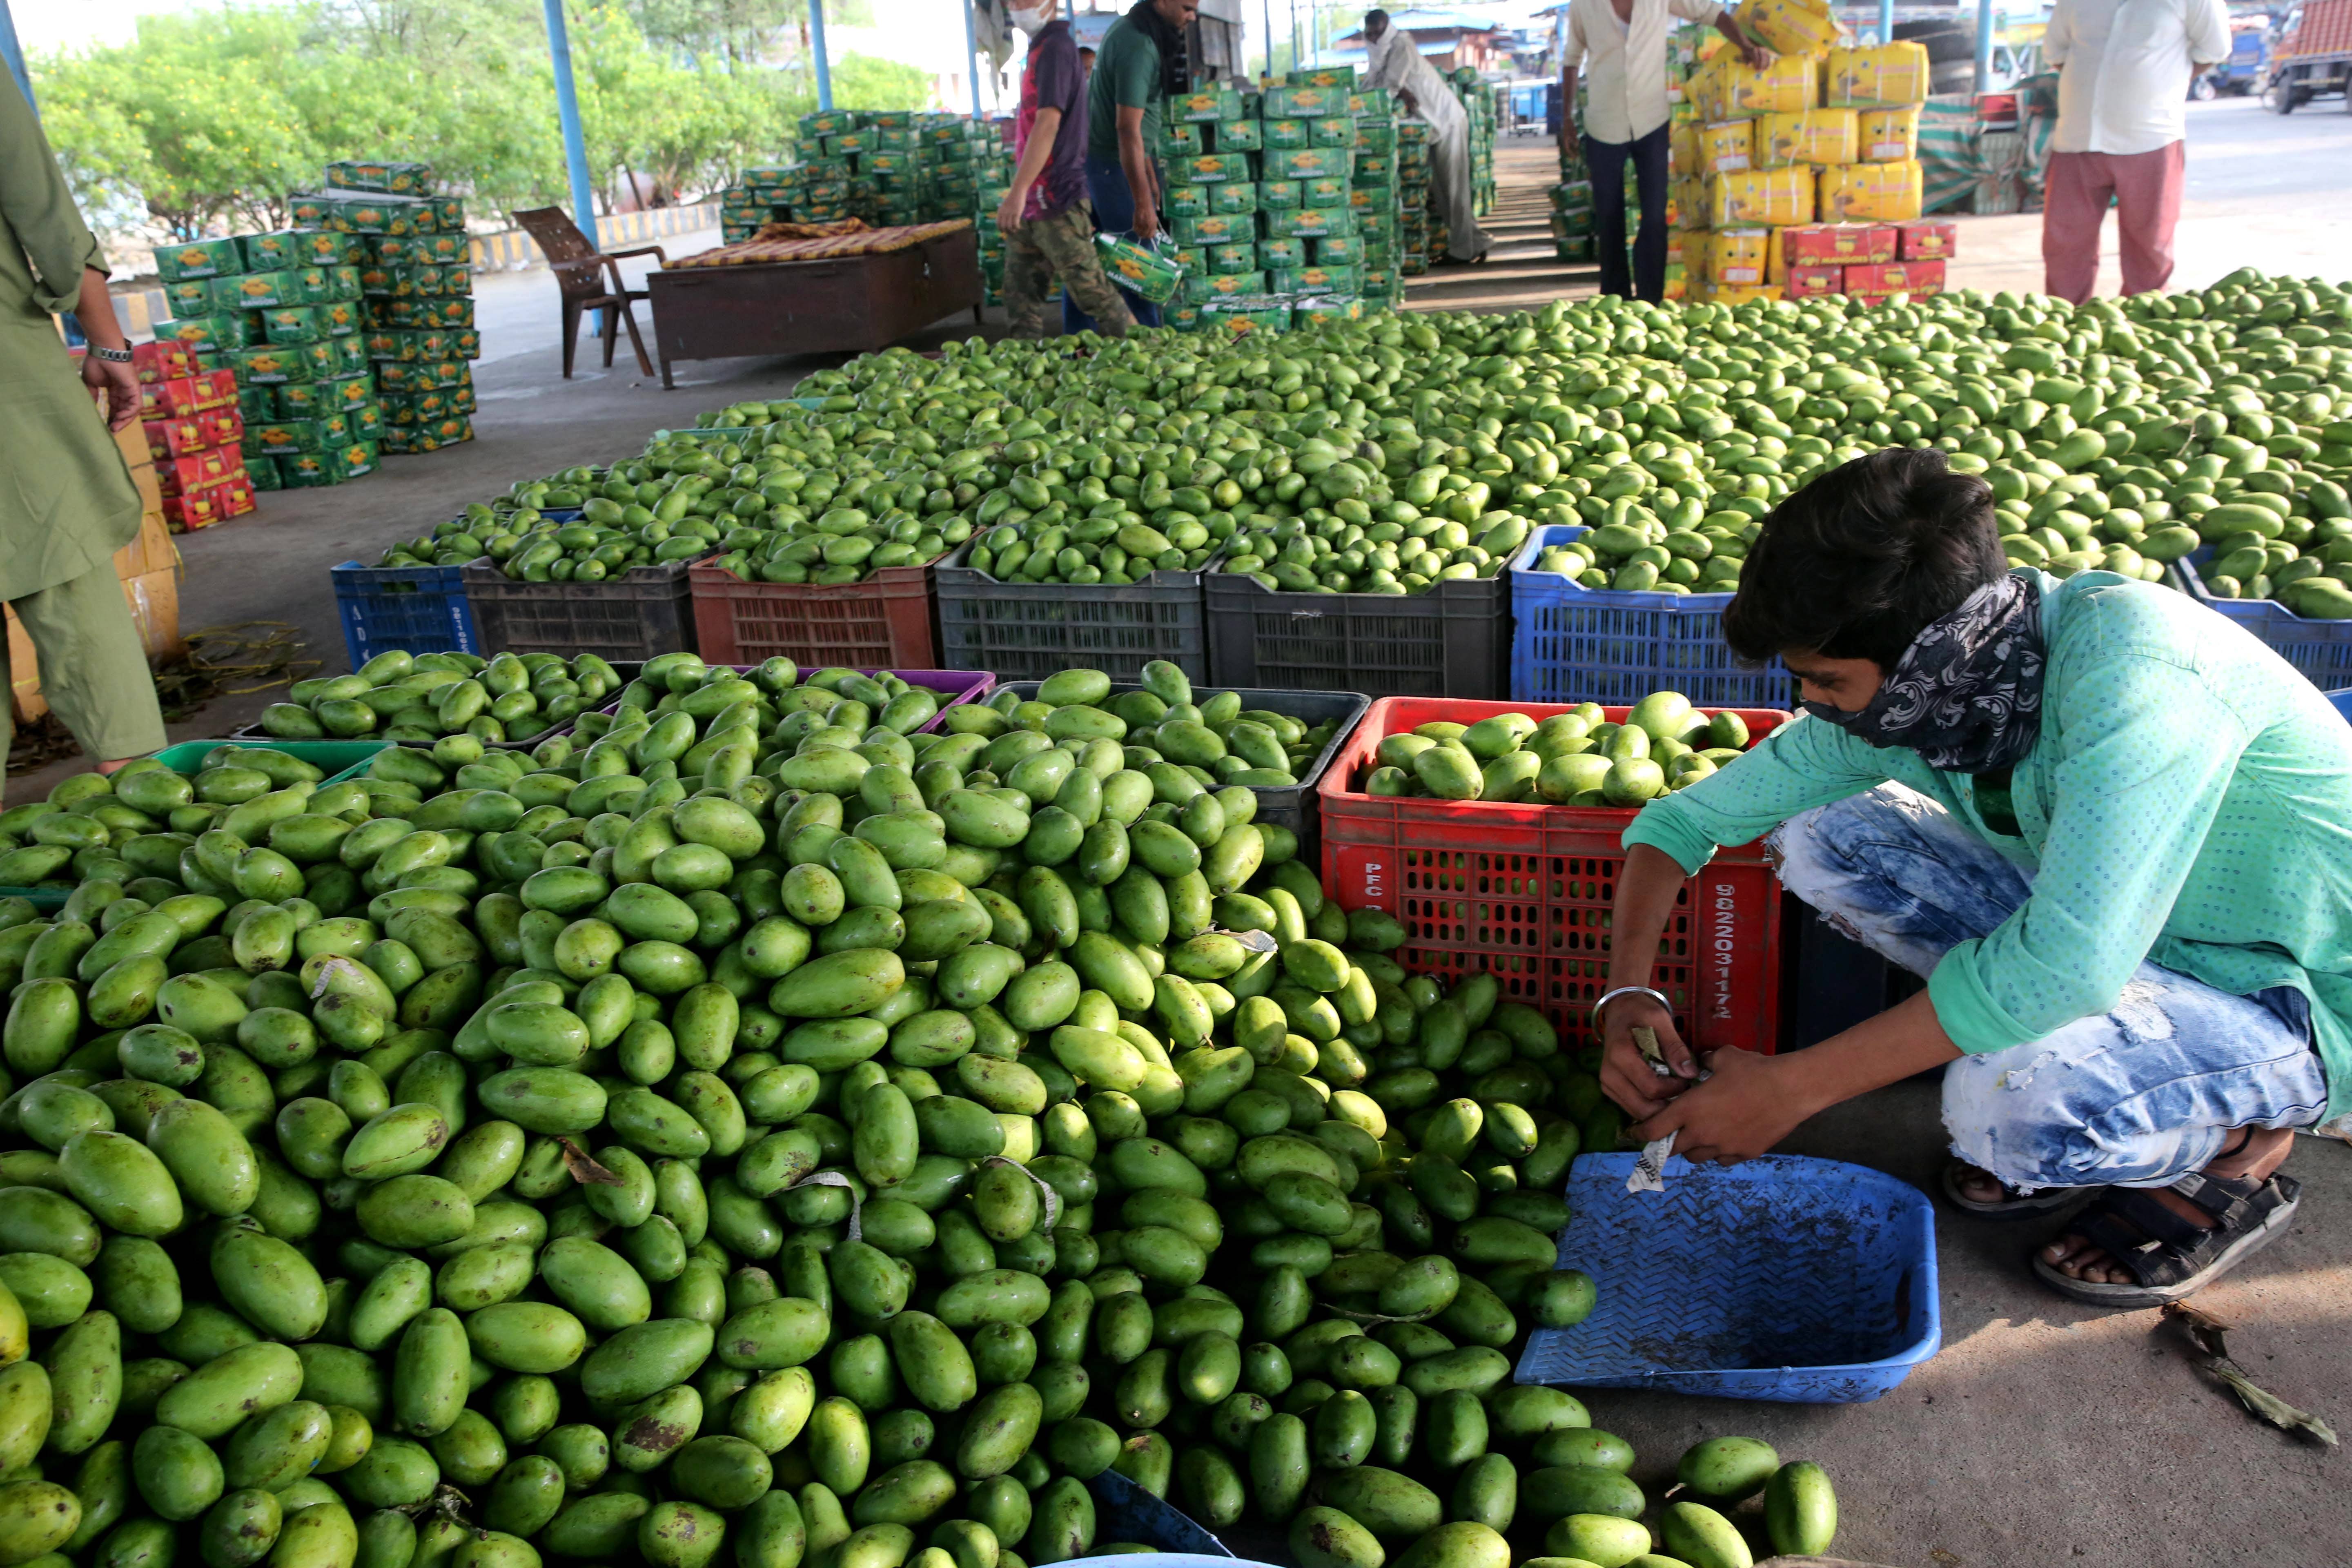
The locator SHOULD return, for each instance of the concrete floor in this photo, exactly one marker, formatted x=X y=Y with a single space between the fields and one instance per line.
x=2043 y=1433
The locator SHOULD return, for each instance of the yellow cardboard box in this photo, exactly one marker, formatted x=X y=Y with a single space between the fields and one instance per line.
x=1738 y=293
x=1738 y=254
x=1790 y=26
x=1727 y=147
x=1691 y=202
x=1882 y=76
x=1818 y=136
x=1882 y=193
x=1771 y=196
x=1888 y=135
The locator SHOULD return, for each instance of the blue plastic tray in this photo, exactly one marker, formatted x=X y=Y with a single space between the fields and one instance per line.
x=2343 y=701
x=1806 y=1281
x=1574 y=644
x=2320 y=650
x=420 y=608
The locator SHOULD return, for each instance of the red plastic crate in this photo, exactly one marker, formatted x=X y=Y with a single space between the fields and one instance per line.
x=883 y=623
x=1524 y=891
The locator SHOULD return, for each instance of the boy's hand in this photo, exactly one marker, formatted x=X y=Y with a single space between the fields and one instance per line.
x=1626 y=1075
x=1008 y=210
x=1749 y=1104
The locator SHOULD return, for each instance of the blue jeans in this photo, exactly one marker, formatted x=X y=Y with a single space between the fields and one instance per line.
x=1114 y=206
x=2135 y=1097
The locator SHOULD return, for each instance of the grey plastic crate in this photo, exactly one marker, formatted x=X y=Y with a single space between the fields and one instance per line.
x=1294 y=806
x=1027 y=631
x=643 y=611
x=1454 y=640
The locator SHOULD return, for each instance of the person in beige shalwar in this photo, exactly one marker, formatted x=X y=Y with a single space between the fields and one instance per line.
x=67 y=500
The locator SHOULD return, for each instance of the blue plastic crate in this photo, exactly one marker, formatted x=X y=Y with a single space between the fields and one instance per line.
x=1806 y=1281
x=2321 y=651
x=2342 y=702
x=1574 y=644
x=422 y=609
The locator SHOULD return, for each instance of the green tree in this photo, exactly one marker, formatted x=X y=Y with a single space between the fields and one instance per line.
x=864 y=81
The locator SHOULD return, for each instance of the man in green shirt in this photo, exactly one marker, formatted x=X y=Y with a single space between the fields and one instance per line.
x=1141 y=63
x=2112 y=831
x=66 y=500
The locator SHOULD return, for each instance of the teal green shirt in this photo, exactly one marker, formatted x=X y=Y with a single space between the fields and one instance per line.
x=2189 y=802
x=1126 y=75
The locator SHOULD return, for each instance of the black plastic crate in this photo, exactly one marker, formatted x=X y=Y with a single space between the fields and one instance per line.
x=1294 y=806
x=1028 y=631
x=1454 y=640
x=643 y=611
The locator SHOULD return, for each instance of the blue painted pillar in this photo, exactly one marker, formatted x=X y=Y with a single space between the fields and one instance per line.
x=14 y=53
x=1885 y=21
x=971 y=56
x=816 y=48
x=567 y=111
x=1987 y=20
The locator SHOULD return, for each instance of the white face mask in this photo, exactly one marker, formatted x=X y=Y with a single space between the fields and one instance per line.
x=1032 y=20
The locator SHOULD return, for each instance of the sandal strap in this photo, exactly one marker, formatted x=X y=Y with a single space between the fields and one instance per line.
x=2161 y=1249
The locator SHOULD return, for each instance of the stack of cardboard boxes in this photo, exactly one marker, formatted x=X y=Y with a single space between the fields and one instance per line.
x=346 y=336
x=1783 y=179
x=148 y=567
x=1284 y=205
x=1418 y=223
x=1813 y=157
x=887 y=167
x=194 y=436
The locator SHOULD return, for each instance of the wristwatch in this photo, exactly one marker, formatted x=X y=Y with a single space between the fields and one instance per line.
x=112 y=356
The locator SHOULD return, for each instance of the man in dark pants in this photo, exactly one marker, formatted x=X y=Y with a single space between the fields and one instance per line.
x=1142 y=63
x=1622 y=46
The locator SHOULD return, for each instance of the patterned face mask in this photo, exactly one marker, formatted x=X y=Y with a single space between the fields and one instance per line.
x=1967 y=693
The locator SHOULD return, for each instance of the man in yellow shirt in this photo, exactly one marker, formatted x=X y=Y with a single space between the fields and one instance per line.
x=1621 y=46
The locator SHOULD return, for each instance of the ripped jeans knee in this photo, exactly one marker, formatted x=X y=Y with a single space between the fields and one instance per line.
x=1894 y=871
x=2137 y=1096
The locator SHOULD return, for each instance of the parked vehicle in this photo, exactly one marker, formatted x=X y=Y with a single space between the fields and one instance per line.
x=2313 y=56
x=2243 y=71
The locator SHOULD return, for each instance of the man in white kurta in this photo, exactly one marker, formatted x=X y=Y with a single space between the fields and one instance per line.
x=1392 y=60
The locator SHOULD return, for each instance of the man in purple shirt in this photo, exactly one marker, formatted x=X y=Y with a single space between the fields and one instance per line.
x=1048 y=225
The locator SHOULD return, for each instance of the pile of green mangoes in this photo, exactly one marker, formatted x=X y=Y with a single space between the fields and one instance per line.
x=1162 y=719
x=750 y=1128
x=1574 y=757
x=1401 y=550
x=1637 y=552
x=423 y=698
x=40 y=841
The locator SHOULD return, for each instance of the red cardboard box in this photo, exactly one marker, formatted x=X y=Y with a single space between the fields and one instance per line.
x=1822 y=243
x=222 y=426
x=1895 y=278
x=199 y=470
x=1926 y=240
x=1810 y=282
x=184 y=396
x=196 y=509
x=237 y=497
x=163 y=362
x=168 y=438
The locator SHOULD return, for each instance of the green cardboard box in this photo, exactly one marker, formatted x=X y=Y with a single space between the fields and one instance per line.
x=1308 y=223
x=254 y=291
x=367 y=420
x=281 y=435
x=1223 y=258
x=297 y=400
x=271 y=252
x=271 y=366
x=292 y=324
x=1210 y=167
x=1331 y=130
x=1337 y=250
x=352 y=459
x=1179 y=140
x=189 y=296
x=1310 y=164
x=1214 y=104
x=1280 y=196
x=1185 y=201
x=1241 y=196
x=1324 y=193
x=199 y=258
x=304 y=471
x=1375 y=138
x=1276 y=254
x=1304 y=102
x=1239 y=135
x=1199 y=288
x=1215 y=228
x=1280 y=135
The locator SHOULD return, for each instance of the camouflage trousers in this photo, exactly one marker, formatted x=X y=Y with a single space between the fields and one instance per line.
x=1060 y=245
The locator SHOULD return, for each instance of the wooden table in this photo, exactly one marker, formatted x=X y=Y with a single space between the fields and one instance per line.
x=851 y=304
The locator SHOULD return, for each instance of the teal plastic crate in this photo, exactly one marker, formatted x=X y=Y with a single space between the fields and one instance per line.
x=340 y=760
